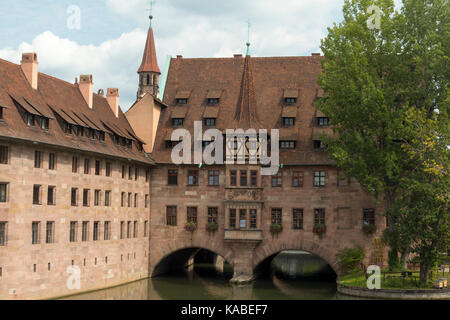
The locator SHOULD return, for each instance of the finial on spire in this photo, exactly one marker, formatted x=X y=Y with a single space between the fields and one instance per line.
x=248 y=39
x=151 y=11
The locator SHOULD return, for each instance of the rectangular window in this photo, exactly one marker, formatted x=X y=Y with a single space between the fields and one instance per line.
x=96 y=230
x=122 y=229
x=35 y=232
x=297 y=219
x=322 y=121
x=145 y=228
x=210 y=122
x=130 y=173
x=213 y=177
x=233 y=178
x=318 y=144
x=242 y=218
x=288 y=144
x=74 y=164
x=129 y=229
x=319 y=178
x=3 y=154
x=73 y=231
x=146 y=200
x=51 y=195
x=107 y=230
x=369 y=217
x=319 y=216
x=108 y=169
x=129 y=200
x=49 y=237
x=172 y=177
x=85 y=231
x=177 y=122
x=213 y=101
x=181 y=101
x=74 y=197
x=253 y=178
x=123 y=171
x=98 y=167
x=86 y=166
x=135 y=229
x=37 y=194
x=212 y=214
x=3 y=238
x=37 y=159
x=232 y=222
x=297 y=179
x=107 y=198
x=86 y=197
x=290 y=100
x=3 y=191
x=276 y=216
x=97 y=195
x=243 y=178
x=288 y=122
x=171 y=215
x=135 y=200
x=193 y=177
x=277 y=179
x=252 y=218
x=51 y=161
x=192 y=214
x=122 y=199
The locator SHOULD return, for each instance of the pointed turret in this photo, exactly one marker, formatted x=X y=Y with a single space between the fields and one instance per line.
x=246 y=112
x=149 y=71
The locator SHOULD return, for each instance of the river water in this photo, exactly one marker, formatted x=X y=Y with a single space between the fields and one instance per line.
x=291 y=277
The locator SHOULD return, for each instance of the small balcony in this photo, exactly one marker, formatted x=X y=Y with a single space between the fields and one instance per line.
x=250 y=235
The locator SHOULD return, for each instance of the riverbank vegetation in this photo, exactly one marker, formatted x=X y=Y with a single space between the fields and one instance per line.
x=385 y=77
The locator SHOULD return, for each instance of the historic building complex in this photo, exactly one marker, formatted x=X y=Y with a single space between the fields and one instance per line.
x=84 y=185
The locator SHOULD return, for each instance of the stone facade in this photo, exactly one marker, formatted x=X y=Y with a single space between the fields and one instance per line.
x=40 y=270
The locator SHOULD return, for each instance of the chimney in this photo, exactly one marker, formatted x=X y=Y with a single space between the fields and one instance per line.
x=112 y=96
x=29 y=66
x=238 y=55
x=86 y=88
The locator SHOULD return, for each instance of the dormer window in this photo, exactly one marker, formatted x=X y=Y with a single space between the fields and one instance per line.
x=91 y=133
x=290 y=100
x=210 y=122
x=287 y=144
x=1 y=112
x=288 y=122
x=213 y=101
x=29 y=119
x=177 y=122
x=322 y=121
x=44 y=123
x=182 y=101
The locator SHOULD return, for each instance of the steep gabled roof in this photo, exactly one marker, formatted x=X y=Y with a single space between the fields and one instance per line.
x=149 y=62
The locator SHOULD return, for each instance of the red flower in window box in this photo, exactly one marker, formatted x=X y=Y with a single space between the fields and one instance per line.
x=212 y=227
x=319 y=229
x=190 y=226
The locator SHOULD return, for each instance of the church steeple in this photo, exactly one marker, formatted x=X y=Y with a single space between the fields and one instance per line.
x=246 y=112
x=149 y=71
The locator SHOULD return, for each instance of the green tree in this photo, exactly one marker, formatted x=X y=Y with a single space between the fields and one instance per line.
x=372 y=79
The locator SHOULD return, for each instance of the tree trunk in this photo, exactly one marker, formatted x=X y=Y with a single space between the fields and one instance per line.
x=404 y=260
x=424 y=272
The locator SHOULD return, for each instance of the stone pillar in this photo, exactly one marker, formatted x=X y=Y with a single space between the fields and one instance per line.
x=219 y=262
x=243 y=261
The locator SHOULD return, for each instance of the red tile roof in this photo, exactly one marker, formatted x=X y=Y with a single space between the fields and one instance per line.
x=57 y=98
x=242 y=103
x=149 y=62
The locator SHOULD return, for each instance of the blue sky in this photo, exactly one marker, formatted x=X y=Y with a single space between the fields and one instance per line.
x=111 y=37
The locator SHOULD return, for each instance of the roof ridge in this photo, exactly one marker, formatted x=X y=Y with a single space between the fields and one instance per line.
x=55 y=78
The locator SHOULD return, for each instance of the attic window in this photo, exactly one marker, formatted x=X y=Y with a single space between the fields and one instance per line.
x=91 y=133
x=290 y=100
x=287 y=144
x=182 y=101
x=177 y=122
x=323 y=121
x=290 y=96
x=213 y=101
x=1 y=112
x=29 y=119
x=44 y=123
x=288 y=122
x=210 y=122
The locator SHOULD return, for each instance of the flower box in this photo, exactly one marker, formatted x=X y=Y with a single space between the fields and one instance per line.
x=190 y=226
x=212 y=227
x=275 y=228
x=369 y=229
x=319 y=229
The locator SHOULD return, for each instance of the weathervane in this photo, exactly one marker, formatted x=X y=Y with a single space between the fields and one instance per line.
x=248 y=37
x=151 y=11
